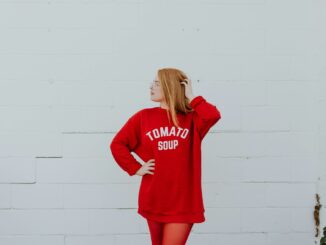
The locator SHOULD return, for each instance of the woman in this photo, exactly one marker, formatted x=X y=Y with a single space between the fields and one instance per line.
x=168 y=139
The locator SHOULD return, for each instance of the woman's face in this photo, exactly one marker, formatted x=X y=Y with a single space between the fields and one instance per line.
x=156 y=91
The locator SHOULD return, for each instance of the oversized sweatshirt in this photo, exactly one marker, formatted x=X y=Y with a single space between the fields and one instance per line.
x=174 y=192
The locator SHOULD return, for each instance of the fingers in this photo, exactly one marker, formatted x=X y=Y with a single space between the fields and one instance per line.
x=151 y=162
x=148 y=170
x=150 y=166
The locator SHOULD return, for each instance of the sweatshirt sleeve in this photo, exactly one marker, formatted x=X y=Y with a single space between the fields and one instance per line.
x=206 y=114
x=124 y=142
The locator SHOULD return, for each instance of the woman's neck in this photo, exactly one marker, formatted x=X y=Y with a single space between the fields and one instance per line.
x=164 y=105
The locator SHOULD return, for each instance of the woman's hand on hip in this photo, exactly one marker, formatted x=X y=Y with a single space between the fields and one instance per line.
x=147 y=166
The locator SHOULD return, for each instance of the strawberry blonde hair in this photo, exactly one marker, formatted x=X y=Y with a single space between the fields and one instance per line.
x=174 y=92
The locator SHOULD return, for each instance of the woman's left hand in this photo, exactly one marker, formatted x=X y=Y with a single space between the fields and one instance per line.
x=188 y=89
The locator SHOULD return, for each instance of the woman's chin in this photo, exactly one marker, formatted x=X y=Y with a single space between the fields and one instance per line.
x=155 y=100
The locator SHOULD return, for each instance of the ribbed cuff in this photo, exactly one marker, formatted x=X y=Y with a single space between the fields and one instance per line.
x=195 y=101
x=134 y=168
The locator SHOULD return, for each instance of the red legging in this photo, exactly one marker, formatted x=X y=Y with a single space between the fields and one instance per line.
x=169 y=233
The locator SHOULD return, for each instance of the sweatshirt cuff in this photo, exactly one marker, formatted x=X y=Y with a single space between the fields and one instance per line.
x=134 y=168
x=195 y=101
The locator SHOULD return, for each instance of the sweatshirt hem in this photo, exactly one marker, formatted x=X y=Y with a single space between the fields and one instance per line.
x=179 y=218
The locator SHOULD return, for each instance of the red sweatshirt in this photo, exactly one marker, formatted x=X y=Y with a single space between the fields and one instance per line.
x=174 y=192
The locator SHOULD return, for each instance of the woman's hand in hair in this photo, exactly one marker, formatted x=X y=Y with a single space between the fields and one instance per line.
x=147 y=166
x=188 y=89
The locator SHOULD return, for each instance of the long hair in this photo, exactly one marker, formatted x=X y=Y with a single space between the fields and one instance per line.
x=174 y=92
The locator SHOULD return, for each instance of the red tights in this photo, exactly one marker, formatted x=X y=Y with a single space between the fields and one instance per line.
x=169 y=233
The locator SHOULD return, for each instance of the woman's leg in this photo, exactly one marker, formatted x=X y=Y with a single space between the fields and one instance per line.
x=156 y=231
x=176 y=233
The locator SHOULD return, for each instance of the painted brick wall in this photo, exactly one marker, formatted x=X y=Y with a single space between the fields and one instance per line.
x=73 y=71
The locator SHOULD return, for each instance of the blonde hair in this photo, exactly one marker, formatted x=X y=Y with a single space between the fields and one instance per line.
x=174 y=92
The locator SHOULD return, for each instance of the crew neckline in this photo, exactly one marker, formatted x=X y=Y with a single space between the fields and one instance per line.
x=166 y=110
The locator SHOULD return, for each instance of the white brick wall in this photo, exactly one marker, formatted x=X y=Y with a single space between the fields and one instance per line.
x=73 y=71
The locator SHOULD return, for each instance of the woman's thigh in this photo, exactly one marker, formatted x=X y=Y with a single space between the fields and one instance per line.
x=176 y=233
x=156 y=231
